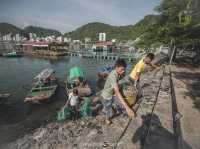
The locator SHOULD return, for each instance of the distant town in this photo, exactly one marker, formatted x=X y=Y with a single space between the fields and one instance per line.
x=60 y=45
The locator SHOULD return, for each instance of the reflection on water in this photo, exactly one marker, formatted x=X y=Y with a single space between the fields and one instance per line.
x=17 y=117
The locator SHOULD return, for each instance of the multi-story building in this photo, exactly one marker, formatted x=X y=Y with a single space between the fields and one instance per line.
x=7 y=37
x=104 y=47
x=32 y=36
x=102 y=36
x=60 y=39
x=18 y=37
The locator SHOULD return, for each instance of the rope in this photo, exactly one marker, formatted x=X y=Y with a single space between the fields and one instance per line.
x=151 y=114
x=130 y=119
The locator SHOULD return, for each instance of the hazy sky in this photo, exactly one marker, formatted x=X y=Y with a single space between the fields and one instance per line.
x=67 y=15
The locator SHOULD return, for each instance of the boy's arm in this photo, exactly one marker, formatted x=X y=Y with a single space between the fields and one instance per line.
x=129 y=111
x=153 y=66
x=137 y=76
x=67 y=103
x=68 y=100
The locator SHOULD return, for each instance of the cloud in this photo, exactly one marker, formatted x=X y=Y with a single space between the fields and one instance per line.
x=67 y=15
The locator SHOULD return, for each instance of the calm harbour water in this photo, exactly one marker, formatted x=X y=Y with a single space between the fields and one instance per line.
x=16 y=117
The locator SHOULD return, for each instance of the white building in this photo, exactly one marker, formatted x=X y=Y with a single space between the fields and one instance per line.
x=32 y=36
x=76 y=41
x=18 y=37
x=7 y=37
x=102 y=36
x=60 y=39
x=50 y=38
x=67 y=39
x=114 y=40
x=87 y=39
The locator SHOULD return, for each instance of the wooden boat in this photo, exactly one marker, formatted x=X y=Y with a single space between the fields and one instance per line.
x=76 y=80
x=44 y=86
x=12 y=54
x=104 y=72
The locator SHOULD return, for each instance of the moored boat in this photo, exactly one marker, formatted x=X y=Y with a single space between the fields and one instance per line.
x=77 y=80
x=12 y=54
x=3 y=97
x=104 y=72
x=44 y=86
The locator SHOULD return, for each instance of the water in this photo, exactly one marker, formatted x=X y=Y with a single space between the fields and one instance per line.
x=16 y=117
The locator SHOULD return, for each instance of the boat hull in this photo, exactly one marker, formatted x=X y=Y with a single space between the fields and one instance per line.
x=39 y=96
x=83 y=91
x=3 y=98
x=12 y=54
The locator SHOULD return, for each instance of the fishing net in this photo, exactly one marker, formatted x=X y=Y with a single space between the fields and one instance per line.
x=64 y=113
x=129 y=93
x=86 y=108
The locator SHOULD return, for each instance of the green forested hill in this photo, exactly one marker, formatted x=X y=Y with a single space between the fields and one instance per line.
x=6 y=28
x=91 y=30
x=114 y=32
x=121 y=33
x=41 y=32
x=177 y=22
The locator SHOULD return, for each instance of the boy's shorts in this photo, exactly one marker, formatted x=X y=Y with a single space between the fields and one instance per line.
x=112 y=107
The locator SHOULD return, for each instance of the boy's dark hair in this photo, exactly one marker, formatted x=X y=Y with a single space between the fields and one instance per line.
x=120 y=63
x=75 y=91
x=150 y=55
x=80 y=79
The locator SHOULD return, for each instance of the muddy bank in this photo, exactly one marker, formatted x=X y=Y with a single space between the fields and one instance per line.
x=93 y=133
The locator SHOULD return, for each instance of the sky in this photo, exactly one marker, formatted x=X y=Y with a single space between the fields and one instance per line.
x=67 y=15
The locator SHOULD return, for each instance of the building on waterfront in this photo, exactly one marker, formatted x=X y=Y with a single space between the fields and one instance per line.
x=102 y=36
x=75 y=46
x=18 y=37
x=114 y=40
x=60 y=39
x=104 y=47
x=58 y=46
x=32 y=36
x=67 y=39
x=44 y=48
x=50 y=39
x=127 y=47
x=87 y=39
x=87 y=46
x=7 y=37
x=76 y=41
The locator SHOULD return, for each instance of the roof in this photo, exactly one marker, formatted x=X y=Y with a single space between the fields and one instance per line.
x=36 y=43
x=44 y=74
x=104 y=43
x=75 y=72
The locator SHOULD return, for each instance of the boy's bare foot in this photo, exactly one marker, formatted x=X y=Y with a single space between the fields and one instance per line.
x=108 y=122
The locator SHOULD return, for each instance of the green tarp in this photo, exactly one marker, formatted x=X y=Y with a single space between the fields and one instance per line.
x=75 y=72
